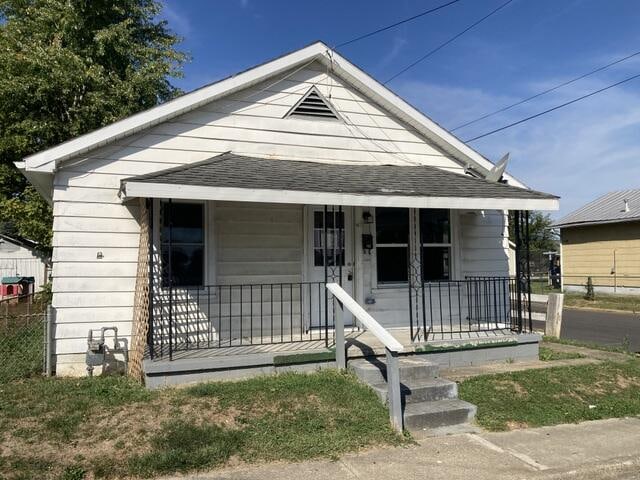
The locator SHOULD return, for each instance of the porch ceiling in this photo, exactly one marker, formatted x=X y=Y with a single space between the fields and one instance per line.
x=240 y=178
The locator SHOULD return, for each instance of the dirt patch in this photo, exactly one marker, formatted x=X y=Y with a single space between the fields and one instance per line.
x=626 y=382
x=120 y=433
x=512 y=425
x=518 y=389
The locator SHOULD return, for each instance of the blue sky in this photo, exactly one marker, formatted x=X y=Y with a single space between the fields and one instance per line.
x=578 y=152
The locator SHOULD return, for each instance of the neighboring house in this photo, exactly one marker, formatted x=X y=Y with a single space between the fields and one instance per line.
x=253 y=193
x=601 y=240
x=19 y=257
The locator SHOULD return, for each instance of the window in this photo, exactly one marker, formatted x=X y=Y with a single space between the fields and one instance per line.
x=182 y=234
x=392 y=243
x=335 y=257
x=435 y=239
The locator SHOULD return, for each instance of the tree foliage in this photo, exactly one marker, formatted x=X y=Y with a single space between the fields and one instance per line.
x=68 y=67
x=543 y=238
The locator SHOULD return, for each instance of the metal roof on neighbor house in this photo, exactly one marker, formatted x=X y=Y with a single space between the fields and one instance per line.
x=609 y=208
x=375 y=182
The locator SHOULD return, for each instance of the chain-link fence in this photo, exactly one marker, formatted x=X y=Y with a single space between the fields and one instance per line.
x=23 y=337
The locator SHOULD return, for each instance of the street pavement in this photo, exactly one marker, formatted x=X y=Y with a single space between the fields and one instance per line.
x=605 y=449
x=601 y=327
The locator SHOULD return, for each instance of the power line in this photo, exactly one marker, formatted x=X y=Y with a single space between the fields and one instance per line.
x=388 y=27
x=563 y=84
x=557 y=107
x=442 y=45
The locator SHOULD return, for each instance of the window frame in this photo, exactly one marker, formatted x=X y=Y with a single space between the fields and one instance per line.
x=205 y=242
x=448 y=245
x=453 y=245
x=388 y=245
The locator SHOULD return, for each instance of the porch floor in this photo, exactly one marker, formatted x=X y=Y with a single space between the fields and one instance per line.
x=359 y=343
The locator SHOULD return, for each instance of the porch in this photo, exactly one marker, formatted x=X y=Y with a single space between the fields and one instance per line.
x=421 y=250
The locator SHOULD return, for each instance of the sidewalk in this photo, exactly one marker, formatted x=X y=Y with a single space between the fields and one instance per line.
x=606 y=449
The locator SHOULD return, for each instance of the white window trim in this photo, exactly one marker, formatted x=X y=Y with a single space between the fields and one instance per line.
x=453 y=245
x=157 y=241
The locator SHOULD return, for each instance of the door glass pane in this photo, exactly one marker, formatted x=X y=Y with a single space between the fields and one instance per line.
x=335 y=252
x=391 y=264
x=392 y=225
x=436 y=263
x=435 y=226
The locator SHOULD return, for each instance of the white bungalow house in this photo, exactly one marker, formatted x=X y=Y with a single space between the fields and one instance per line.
x=236 y=204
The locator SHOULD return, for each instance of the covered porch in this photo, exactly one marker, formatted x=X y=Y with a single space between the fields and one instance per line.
x=240 y=251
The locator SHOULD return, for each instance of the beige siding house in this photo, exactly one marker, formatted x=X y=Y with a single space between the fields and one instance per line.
x=234 y=205
x=602 y=240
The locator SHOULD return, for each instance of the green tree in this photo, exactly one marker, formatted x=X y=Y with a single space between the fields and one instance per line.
x=543 y=238
x=68 y=67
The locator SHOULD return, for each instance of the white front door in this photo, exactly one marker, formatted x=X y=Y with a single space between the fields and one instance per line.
x=338 y=254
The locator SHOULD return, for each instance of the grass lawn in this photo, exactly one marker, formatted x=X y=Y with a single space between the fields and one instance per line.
x=629 y=303
x=534 y=398
x=113 y=428
x=21 y=349
x=542 y=287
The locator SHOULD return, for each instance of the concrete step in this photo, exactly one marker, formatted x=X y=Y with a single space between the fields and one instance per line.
x=413 y=369
x=443 y=413
x=431 y=390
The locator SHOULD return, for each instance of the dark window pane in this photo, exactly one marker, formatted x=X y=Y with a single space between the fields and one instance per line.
x=187 y=265
x=392 y=225
x=391 y=264
x=436 y=263
x=317 y=219
x=435 y=226
x=339 y=219
x=187 y=219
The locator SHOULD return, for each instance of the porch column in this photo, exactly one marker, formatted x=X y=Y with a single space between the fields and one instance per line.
x=523 y=267
x=150 y=331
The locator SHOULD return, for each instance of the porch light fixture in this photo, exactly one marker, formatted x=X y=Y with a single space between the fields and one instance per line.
x=99 y=255
x=367 y=218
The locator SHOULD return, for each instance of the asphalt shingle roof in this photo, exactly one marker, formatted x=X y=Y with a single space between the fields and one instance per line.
x=608 y=208
x=230 y=170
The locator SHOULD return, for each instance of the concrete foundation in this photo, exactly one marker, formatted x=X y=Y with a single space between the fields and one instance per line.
x=446 y=354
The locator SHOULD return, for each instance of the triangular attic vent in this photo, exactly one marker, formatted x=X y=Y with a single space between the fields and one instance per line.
x=313 y=104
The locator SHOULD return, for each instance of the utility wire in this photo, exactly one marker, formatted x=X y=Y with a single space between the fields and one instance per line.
x=388 y=27
x=442 y=45
x=557 y=107
x=549 y=90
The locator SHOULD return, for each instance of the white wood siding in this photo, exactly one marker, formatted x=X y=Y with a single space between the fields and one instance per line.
x=484 y=243
x=258 y=243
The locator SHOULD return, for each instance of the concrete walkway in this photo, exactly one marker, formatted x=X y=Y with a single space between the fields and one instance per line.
x=605 y=449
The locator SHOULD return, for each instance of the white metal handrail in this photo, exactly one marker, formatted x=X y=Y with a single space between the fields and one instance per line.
x=391 y=345
x=364 y=318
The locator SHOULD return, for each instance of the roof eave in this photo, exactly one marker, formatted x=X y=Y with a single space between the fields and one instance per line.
x=595 y=222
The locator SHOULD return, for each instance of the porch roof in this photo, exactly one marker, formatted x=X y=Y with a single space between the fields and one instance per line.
x=240 y=178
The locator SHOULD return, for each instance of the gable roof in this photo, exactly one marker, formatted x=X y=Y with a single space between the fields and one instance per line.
x=242 y=178
x=609 y=208
x=48 y=160
x=20 y=241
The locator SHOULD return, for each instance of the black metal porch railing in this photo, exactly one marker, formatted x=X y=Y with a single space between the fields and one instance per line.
x=475 y=304
x=222 y=316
